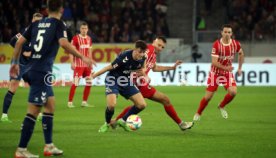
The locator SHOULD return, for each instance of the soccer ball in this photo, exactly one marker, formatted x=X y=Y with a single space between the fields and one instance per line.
x=134 y=122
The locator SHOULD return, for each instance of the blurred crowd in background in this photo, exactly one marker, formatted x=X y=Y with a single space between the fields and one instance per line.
x=251 y=19
x=109 y=20
x=118 y=21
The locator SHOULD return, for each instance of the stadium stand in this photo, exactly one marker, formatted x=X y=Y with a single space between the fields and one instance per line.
x=110 y=21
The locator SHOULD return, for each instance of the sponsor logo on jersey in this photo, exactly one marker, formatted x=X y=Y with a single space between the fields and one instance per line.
x=83 y=46
x=226 y=57
x=36 y=56
x=115 y=65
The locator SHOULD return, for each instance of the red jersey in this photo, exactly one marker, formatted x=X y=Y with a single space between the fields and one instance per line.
x=151 y=58
x=82 y=44
x=225 y=54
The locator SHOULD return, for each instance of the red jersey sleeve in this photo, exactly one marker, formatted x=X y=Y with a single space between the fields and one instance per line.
x=238 y=46
x=74 y=41
x=215 y=49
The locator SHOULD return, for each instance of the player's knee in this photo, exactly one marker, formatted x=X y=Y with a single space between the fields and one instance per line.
x=208 y=98
x=13 y=87
x=76 y=82
x=49 y=109
x=166 y=100
x=13 y=90
x=111 y=105
x=88 y=82
x=141 y=105
x=233 y=92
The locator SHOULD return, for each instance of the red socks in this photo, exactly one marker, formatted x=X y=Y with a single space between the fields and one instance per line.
x=169 y=109
x=86 y=93
x=72 y=92
x=227 y=99
x=172 y=113
x=123 y=112
x=202 y=105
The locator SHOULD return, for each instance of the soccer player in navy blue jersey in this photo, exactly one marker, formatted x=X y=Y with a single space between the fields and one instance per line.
x=45 y=36
x=14 y=81
x=119 y=81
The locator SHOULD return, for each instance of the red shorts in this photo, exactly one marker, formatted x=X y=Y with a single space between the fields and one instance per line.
x=215 y=80
x=82 y=72
x=147 y=91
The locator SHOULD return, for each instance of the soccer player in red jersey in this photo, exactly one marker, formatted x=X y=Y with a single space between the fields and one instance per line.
x=223 y=52
x=83 y=44
x=150 y=92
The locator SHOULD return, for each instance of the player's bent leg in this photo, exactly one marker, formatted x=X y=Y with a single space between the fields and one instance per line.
x=113 y=123
x=163 y=99
x=138 y=101
x=147 y=91
x=232 y=91
x=111 y=100
x=126 y=109
x=160 y=98
x=8 y=100
x=139 y=104
x=203 y=103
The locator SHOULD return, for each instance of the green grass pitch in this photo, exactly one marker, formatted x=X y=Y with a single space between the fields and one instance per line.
x=249 y=132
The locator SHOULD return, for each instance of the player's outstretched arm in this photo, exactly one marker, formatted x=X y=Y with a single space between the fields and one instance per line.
x=240 y=60
x=63 y=42
x=219 y=65
x=159 y=68
x=102 y=71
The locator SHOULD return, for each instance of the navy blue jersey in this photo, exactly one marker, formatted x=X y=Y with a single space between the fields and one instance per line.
x=44 y=36
x=23 y=60
x=124 y=64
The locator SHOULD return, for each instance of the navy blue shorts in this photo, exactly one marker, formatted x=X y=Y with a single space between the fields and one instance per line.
x=40 y=87
x=126 y=90
x=22 y=71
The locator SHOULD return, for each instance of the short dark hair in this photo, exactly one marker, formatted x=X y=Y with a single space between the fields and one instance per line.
x=141 y=44
x=226 y=26
x=162 y=38
x=54 y=5
x=38 y=15
x=84 y=23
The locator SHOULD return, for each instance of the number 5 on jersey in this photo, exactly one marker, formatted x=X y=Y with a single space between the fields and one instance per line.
x=39 y=40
